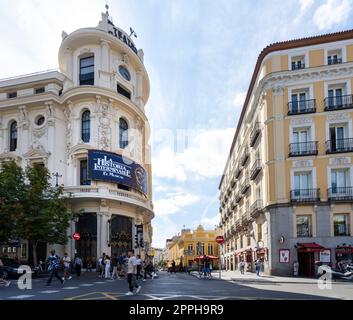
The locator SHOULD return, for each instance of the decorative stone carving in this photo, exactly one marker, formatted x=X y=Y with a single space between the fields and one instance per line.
x=38 y=133
x=303 y=163
x=338 y=117
x=125 y=58
x=278 y=90
x=68 y=116
x=339 y=161
x=104 y=127
x=23 y=117
x=301 y=121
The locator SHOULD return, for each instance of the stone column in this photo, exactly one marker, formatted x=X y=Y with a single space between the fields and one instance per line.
x=139 y=91
x=104 y=227
x=99 y=239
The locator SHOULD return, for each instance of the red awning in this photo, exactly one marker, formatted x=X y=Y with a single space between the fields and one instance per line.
x=344 y=249
x=309 y=247
x=202 y=257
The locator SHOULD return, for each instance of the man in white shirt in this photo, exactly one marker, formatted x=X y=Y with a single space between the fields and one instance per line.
x=67 y=262
x=131 y=273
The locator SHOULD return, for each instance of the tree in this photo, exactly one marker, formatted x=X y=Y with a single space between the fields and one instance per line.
x=12 y=192
x=45 y=217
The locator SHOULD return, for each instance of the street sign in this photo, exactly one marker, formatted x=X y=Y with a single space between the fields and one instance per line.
x=76 y=236
x=220 y=239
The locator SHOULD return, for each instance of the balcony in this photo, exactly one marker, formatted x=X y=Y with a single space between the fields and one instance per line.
x=339 y=145
x=245 y=157
x=238 y=171
x=309 y=148
x=340 y=194
x=233 y=230
x=339 y=102
x=255 y=132
x=301 y=107
x=237 y=225
x=245 y=185
x=298 y=65
x=305 y=195
x=238 y=197
x=255 y=169
x=335 y=60
x=256 y=208
x=245 y=217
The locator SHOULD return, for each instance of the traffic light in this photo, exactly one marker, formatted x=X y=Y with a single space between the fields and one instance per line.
x=136 y=241
x=141 y=243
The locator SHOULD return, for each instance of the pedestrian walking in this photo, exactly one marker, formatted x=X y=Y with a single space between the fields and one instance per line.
x=139 y=267
x=2 y=276
x=115 y=266
x=89 y=265
x=107 y=267
x=54 y=265
x=66 y=262
x=78 y=265
x=131 y=273
x=173 y=270
x=296 y=269
x=242 y=266
x=258 y=267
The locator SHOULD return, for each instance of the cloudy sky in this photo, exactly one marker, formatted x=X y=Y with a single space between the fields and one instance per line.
x=200 y=55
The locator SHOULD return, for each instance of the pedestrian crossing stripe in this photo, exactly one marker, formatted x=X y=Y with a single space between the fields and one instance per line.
x=24 y=296
x=49 y=291
x=70 y=288
x=86 y=285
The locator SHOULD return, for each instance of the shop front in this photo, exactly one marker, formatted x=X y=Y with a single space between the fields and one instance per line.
x=262 y=255
x=344 y=253
x=249 y=260
x=308 y=253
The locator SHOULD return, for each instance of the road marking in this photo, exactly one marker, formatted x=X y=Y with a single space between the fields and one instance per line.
x=24 y=296
x=98 y=282
x=49 y=291
x=70 y=288
x=109 y=296
x=86 y=285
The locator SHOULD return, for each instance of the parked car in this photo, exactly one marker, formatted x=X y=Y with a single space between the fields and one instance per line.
x=10 y=269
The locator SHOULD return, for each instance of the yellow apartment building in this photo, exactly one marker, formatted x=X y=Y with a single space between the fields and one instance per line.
x=286 y=194
x=186 y=246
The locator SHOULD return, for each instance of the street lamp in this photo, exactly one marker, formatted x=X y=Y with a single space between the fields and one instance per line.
x=57 y=176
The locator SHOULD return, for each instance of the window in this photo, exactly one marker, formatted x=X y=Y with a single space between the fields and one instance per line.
x=202 y=249
x=12 y=95
x=301 y=142
x=304 y=226
x=39 y=90
x=190 y=247
x=248 y=236
x=299 y=102
x=123 y=133
x=334 y=57
x=302 y=182
x=124 y=72
x=339 y=180
x=337 y=137
x=86 y=126
x=335 y=97
x=121 y=90
x=241 y=241
x=84 y=181
x=87 y=71
x=298 y=62
x=40 y=120
x=123 y=187
x=210 y=249
x=341 y=225
x=13 y=136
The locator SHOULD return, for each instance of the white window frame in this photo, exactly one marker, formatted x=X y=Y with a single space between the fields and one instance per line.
x=335 y=48
x=301 y=87
x=310 y=127
x=346 y=123
x=297 y=54
x=302 y=170
x=340 y=167
x=338 y=83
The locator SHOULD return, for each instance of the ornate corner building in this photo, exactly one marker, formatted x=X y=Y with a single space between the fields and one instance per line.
x=286 y=194
x=86 y=122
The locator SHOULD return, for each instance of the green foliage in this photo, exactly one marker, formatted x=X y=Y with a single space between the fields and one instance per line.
x=31 y=207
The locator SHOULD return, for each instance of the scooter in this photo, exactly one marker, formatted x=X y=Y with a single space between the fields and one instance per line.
x=335 y=274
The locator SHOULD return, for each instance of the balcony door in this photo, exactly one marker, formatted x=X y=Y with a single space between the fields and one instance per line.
x=335 y=97
x=302 y=184
x=300 y=141
x=299 y=102
x=339 y=181
x=337 y=136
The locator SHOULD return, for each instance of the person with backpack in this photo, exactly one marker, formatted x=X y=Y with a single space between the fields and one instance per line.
x=53 y=268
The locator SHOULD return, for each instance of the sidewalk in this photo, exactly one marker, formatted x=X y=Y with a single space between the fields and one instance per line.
x=250 y=277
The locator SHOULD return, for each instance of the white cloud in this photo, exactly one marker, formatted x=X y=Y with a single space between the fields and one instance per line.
x=204 y=158
x=209 y=223
x=331 y=13
x=305 y=5
x=174 y=203
x=239 y=99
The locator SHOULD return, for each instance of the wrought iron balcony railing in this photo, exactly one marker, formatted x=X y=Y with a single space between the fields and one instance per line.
x=256 y=208
x=255 y=169
x=338 y=102
x=339 y=145
x=245 y=157
x=298 y=65
x=340 y=194
x=245 y=185
x=254 y=133
x=309 y=148
x=301 y=106
x=334 y=60
x=305 y=195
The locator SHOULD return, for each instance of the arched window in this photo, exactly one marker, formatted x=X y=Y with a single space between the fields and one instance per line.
x=13 y=136
x=123 y=136
x=86 y=126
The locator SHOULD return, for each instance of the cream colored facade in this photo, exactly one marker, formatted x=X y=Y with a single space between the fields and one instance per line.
x=183 y=248
x=288 y=181
x=47 y=111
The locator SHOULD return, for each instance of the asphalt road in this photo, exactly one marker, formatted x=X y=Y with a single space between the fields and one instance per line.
x=166 y=287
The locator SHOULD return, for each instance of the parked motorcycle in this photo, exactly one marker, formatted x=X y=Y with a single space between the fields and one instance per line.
x=336 y=274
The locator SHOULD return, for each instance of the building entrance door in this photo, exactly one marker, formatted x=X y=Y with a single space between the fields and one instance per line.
x=87 y=245
x=121 y=235
x=306 y=264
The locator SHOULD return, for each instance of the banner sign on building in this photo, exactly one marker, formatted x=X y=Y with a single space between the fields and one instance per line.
x=108 y=166
x=325 y=256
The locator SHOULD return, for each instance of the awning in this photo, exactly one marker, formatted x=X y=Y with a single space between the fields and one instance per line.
x=309 y=247
x=202 y=257
x=261 y=251
x=344 y=249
